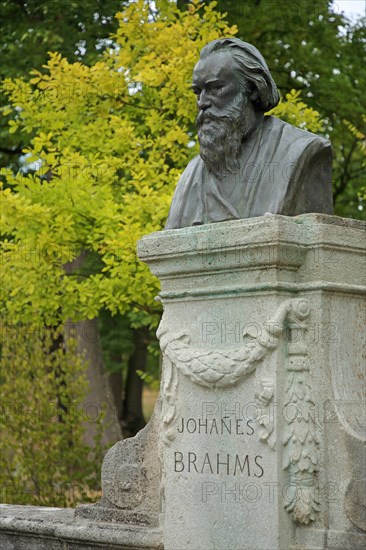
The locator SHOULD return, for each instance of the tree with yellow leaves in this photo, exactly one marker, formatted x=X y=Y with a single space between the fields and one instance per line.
x=108 y=143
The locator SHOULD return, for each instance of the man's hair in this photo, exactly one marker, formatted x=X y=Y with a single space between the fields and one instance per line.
x=251 y=69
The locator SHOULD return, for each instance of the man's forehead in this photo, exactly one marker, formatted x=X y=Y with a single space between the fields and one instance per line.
x=217 y=66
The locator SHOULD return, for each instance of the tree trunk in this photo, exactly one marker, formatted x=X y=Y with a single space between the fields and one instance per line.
x=99 y=397
x=133 y=418
x=116 y=385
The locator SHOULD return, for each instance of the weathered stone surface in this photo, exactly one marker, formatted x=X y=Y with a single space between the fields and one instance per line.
x=130 y=480
x=41 y=528
x=262 y=430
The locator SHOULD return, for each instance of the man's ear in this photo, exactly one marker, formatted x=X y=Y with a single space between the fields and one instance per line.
x=254 y=95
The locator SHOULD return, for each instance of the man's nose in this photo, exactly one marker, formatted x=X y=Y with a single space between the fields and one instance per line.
x=203 y=101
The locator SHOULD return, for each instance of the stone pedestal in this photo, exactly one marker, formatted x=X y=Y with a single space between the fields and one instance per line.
x=258 y=438
x=262 y=428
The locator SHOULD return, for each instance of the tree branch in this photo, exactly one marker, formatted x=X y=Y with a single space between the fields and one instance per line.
x=11 y=150
x=345 y=175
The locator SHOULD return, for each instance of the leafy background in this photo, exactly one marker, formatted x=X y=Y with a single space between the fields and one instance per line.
x=98 y=123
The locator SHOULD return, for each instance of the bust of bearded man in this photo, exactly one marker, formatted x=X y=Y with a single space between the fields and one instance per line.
x=249 y=164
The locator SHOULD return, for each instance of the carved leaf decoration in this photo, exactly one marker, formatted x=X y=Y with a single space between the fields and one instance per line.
x=300 y=438
x=296 y=451
x=242 y=354
x=267 y=433
x=314 y=456
x=302 y=431
x=224 y=368
x=302 y=504
x=209 y=368
x=304 y=464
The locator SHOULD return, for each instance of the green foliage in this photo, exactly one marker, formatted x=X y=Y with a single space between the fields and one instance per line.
x=32 y=28
x=150 y=380
x=43 y=458
x=361 y=144
x=296 y=112
x=117 y=341
x=114 y=140
x=361 y=137
x=109 y=142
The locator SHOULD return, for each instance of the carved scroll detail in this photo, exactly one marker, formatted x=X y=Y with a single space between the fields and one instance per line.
x=169 y=412
x=300 y=437
x=266 y=419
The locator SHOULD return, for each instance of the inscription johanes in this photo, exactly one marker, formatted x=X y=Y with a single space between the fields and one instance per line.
x=222 y=426
x=218 y=463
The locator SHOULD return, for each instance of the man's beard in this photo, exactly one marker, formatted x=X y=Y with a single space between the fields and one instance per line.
x=220 y=140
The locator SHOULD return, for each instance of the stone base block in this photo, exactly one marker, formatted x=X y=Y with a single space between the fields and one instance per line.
x=41 y=528
x=105 y=511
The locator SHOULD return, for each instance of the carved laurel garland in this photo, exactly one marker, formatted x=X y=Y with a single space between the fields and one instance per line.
x=221 y=368
x=300 y=438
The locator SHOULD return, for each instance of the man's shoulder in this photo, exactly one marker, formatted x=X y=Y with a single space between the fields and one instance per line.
x=295 y=136
x=196 y=161
x=194 y=164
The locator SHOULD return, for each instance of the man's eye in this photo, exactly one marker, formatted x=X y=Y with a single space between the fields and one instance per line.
x=214 y=89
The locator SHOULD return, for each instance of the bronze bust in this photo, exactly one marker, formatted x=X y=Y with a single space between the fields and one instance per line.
x=249 y=164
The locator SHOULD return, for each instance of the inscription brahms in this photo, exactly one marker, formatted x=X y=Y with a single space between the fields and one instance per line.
x=218 y=463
